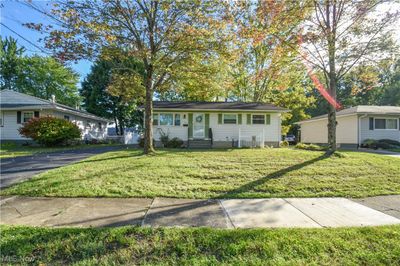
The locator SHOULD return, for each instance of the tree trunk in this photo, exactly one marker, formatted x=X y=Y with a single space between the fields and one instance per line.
x=332 y=92
x=148 y=118
x=116 y=126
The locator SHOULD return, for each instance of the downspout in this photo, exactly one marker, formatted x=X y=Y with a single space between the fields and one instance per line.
x=359 y=130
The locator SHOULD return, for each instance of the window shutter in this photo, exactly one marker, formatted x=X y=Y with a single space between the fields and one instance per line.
x=371 y=123
x=190 y=126
x=268 y=119
x=36 y=114
x=239 y=119
x=207 y=124
x=18 y=117
x=219 y=118
x=249 y=119
x=398 y=124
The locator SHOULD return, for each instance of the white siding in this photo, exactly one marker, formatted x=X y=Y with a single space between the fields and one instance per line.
x=366 y=133
x=222 y=132
x=10 y=129
x=317 y=131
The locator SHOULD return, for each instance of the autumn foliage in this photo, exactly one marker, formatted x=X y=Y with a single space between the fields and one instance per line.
x=50 y=131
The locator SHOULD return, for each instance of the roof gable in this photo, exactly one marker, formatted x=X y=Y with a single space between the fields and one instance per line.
x=14 y=100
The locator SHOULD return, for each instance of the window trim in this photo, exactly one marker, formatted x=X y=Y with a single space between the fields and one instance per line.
x=385 y=118
x=223 y=118
x=158 y=114
x=265 y=119
x=23 y=116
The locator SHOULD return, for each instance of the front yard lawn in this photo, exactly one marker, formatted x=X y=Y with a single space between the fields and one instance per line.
x=235 y=173
x=16 y=151
x=200 y=246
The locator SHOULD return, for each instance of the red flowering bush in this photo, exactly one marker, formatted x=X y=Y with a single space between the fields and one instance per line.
x=50 y=131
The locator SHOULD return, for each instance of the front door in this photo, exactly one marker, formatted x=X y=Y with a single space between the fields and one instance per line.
x=198 y=126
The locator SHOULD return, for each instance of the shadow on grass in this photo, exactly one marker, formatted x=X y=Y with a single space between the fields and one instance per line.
x=278 y=174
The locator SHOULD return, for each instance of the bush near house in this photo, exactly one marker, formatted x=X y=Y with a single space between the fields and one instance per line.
x=310 y=147
x=50 y=131
x=381 y=144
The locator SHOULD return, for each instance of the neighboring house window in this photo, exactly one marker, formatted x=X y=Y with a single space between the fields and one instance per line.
x=66 y=117
x=1 y=119
x=166 y=119
x=155 y=119
x=177 y=119
x=27 y=116
x=100 y=125
x=230 y=118
x=381 y=123
x=258 y=119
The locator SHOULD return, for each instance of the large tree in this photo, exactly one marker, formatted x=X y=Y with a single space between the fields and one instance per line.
x=99 y=100
x=266 y=69
x=36 y=75
x=340 y=35
x=164 y=35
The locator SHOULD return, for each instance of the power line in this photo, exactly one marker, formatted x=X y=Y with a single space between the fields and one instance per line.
x=22 y=37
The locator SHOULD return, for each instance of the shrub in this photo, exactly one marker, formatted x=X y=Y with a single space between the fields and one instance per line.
x=310 y=147
x=284 y=144
x=380 y=144
x=174 y=143
x=50 y=131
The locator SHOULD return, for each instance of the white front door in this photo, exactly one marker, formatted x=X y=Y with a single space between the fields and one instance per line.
x=198 y=126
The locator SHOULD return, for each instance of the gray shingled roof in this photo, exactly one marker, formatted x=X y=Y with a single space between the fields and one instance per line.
x=13 y=100
x=361 y=109
x=217 y=106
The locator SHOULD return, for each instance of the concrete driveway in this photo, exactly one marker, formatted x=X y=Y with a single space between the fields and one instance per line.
x=14 y=170
x=382 y=152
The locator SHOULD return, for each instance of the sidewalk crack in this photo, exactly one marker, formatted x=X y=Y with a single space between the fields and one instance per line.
x=229 y=223
x=304 y=213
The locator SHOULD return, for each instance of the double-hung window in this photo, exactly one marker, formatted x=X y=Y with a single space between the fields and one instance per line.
x=258 y=119
x=177 y=119
x=27 y=116
x=230 y=118
x=382 y=123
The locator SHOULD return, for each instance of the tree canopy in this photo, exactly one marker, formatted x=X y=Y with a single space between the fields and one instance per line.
x=36 y=75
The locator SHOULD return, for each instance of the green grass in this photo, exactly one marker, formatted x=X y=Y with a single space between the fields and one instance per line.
x=200 y=246
x=236 y=173
x=11 y=151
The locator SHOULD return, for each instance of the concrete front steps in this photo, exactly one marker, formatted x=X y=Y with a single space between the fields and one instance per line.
x=199 y=144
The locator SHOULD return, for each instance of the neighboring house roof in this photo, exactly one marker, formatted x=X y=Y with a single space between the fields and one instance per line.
x=217 y=106
x=361 y=110
x=12 y=100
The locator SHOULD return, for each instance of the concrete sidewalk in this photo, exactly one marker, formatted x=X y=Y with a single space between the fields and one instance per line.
x=227 y=213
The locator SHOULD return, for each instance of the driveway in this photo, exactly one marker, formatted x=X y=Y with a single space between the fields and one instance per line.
x=14 y=170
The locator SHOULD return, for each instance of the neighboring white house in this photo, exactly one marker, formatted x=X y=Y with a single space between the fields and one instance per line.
x=17 y=108
x=354 y=125
x=218 y=124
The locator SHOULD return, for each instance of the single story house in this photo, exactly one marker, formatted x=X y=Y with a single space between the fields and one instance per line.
x=218 y=124
x=354 y=125
x=17 y=108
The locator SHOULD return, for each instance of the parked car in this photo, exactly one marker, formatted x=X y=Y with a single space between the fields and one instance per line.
x=290 y=138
